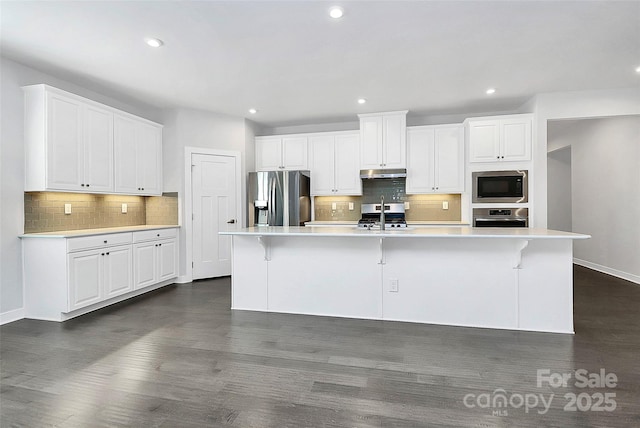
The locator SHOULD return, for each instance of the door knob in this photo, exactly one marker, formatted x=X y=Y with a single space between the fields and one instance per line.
x=233 y=220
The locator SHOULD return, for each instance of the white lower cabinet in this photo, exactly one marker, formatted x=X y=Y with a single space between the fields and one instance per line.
x=155 y=262
x=156 y=257
x=95 y=275
x=67 y=276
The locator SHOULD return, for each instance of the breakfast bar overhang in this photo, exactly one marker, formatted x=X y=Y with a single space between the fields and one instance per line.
x=518 y=279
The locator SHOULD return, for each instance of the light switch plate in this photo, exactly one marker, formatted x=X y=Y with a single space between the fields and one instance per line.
x=334 y=206
x=407 y=206
x=393 y=285
x=350 y=206
x=67 y=208
x=445 y=205
x=124 y=208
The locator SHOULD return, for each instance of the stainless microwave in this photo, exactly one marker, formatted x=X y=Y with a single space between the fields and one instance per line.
x=500 y=186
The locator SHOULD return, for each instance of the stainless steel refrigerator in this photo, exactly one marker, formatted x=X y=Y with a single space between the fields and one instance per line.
x=279 y=198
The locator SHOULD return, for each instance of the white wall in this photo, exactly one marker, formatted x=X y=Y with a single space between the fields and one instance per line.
x=606 y=195
x=12 y=77
x=203 y=129
x=570 y=105
x=559 y=189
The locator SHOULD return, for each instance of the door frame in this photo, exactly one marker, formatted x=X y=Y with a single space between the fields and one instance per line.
x=188 y=198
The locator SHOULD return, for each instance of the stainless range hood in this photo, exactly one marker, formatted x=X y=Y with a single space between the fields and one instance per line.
x=383 y=173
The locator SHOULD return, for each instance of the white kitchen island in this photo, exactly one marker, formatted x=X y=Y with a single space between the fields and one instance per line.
x=520 y=279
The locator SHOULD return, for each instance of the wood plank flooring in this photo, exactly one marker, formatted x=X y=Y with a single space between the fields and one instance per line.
x=180 y=358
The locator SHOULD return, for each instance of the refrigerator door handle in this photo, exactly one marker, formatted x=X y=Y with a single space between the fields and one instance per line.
x=272 y=201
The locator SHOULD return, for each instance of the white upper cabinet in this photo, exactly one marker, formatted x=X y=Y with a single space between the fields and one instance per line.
x=138 y=156
x=69 y=144
x=383 y=140
x=279 y=153
x=435 y=159
x=500 y=139
x=334 y=164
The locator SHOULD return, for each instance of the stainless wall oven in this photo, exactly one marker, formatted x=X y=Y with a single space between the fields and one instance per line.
x=501 y=217
x=500 y=186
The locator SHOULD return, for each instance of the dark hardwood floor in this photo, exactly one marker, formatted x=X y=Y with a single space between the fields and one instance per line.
x=180 y=358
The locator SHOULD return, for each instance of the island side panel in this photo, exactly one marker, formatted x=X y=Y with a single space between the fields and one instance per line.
x=546 y=286
x=465 y=282
x=335 y=276
x=249 y=274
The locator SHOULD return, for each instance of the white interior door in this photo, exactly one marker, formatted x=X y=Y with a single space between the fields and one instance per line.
x=213 y=187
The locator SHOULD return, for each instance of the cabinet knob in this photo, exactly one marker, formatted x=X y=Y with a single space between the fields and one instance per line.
x=87 y=185
x=107 y=254
x=497 y=157
x=82 y=185
x=158 y=234
x=502 y=157
x=159 y=245
x=105 y=242
x=102 y=254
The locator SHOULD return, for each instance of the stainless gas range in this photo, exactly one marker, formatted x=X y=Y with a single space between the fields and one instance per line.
x=393 y=215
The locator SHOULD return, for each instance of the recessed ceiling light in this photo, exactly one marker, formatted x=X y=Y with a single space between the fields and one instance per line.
x=638 y=69
x=253 y=111
x=491 y=91
x=155 y=43
x=361 y=100
x=336 y=12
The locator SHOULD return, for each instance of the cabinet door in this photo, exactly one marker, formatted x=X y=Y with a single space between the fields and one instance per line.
x=347 y=171
x=64 y=143
x=149 y=159
x=448 y=160
x=118 y=271
x=125 y=155
x=371 y=142
x=420 y=168
x=394 y=141
x=484 y=141
x=322 y=165
x=98 y=149
x=294 y=153
x=167 y=260
x=144 y=264
x=268 y=154
x=516 y=140
x=85 y=278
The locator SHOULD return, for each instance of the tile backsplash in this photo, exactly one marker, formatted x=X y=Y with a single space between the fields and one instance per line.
x=421 y=207
x=44 y=211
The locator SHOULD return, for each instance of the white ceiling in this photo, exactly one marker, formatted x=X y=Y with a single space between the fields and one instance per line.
x=296 y=65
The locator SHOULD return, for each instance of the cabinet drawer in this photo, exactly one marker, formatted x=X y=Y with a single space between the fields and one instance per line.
x=88 y=242
x=150 y=235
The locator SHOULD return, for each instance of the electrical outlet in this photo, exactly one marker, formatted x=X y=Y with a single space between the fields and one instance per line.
x=407 y=206
x=350 y=206
x=393 y=285
x=445 y=205
x=334 y=206
x=124 y=208
x=67 y=208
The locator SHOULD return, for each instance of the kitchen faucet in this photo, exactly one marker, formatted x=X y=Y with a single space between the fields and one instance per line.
x=382 y=219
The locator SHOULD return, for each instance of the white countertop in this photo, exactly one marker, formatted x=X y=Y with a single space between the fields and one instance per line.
x=410 y=232
x=411 y=223
x=91 y=232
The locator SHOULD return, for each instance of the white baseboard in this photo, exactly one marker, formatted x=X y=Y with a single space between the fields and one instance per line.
x=11 y=316
x=609 y=271
x=184 y=279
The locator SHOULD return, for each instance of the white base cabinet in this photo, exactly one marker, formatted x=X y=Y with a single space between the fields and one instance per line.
x=156 y=257
x=68 y=276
